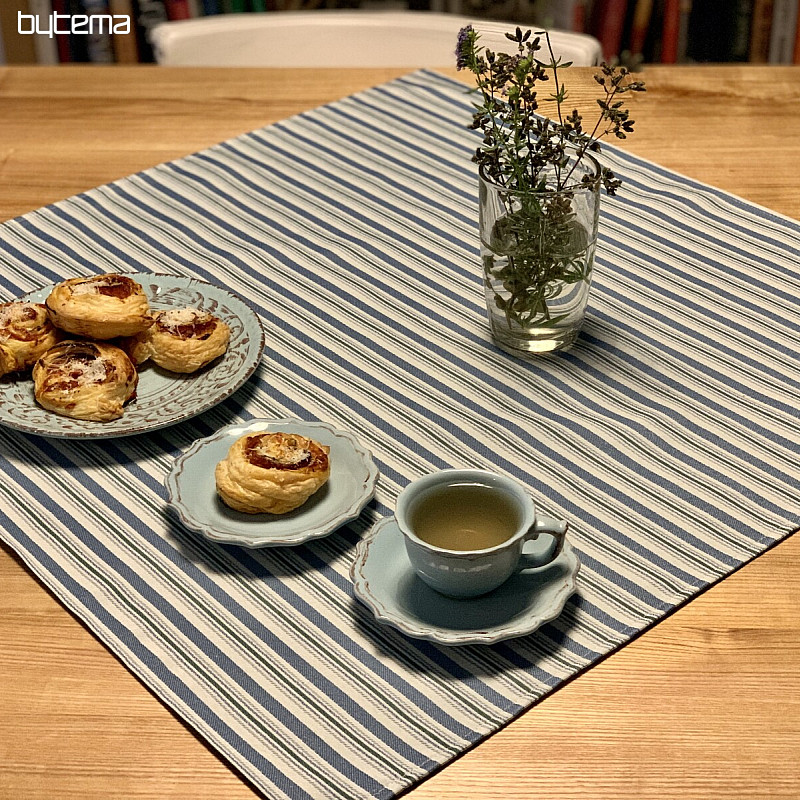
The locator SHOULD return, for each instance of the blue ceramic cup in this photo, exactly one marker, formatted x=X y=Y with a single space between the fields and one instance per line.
x=469 y=573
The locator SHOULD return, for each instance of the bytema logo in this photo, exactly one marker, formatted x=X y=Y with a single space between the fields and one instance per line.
x=28 y=24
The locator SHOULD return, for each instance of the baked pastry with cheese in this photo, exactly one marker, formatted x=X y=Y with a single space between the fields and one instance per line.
x=100 y=307
x=180 y=340
x=272 y=472
x=25 y=334
x=85 y=380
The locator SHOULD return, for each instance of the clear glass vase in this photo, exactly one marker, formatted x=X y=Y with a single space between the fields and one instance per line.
x=537 y=249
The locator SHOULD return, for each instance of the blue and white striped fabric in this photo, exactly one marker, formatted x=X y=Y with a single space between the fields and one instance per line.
x=668 y=435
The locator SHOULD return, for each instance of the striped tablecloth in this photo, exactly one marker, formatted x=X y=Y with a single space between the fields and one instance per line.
x=668 y=435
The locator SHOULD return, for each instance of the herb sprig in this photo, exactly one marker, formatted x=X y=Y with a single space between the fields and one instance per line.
x=536 y=243
x=519 y=144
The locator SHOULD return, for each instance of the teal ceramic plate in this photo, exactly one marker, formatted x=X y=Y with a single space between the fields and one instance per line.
x=162 y=398
x=384 y=580
x=192 y=489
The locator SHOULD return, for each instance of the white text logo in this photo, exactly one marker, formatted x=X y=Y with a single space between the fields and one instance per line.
x=28 y=24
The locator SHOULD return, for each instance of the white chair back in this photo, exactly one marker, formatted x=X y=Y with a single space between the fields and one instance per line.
x=339 y=39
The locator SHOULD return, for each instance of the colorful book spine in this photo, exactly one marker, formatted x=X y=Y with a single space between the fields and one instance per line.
x=148 y=13
x=683 y=30
x=608 y=22
x=760 y=31
x=61 y=39
x=782 y=36
x=640 y=26
x=125 y=48
x=177 y=9
x=670 y=32
x=78 y=41
x=210 y=7
x=580 y=16
x=796 y=57
x=739 y=49
x=98 y=39
x=45 y=46
x=258 y=5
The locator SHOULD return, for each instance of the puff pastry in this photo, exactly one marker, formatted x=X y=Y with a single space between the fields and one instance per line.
x=85 y=380
x=25 y=334
x=180 y=340
x=274 y=472
x=100 y=307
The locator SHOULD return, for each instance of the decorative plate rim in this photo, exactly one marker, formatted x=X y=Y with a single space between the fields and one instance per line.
x=184 y=281
x=449 y=638
x=342 y=516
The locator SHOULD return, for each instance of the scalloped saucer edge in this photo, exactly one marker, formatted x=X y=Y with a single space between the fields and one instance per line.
x=384 y=581
x=191 y=488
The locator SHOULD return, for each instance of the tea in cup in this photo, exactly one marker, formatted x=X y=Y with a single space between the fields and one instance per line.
x=465 y=530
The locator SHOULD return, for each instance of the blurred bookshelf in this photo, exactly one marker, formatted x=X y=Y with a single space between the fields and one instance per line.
x=632 y=32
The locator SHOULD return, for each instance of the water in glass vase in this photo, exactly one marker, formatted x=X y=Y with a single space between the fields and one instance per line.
x=529 y=311
x=537 y=250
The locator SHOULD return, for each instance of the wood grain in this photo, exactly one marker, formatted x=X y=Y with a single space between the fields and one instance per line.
x=704 y=705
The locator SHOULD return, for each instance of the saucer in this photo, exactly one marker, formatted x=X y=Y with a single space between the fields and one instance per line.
x=384 y=580
x=192 y=490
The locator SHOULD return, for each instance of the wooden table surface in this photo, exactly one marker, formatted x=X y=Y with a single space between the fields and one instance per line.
x=704 y=705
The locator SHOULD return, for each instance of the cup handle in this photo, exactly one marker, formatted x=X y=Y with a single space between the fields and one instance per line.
x=557 y=528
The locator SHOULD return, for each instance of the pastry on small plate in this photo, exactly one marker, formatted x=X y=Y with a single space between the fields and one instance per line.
x=100 y=307
x=85 y=380
x=193 y=495
x=180 y=340
x=25 y=334
x=272 y=472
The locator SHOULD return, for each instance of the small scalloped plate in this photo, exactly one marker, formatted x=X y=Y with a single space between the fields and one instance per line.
x=384 y=580
x=193 y=494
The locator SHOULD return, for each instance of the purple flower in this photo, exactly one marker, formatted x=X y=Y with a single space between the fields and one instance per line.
x=464 y=46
